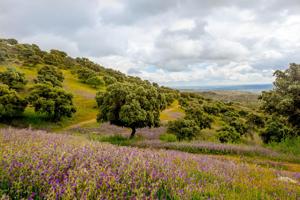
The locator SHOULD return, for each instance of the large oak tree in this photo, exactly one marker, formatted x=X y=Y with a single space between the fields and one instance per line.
x=284 y=99
x=130 y=105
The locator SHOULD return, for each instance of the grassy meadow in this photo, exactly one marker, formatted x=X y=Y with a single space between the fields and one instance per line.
x=41 y=165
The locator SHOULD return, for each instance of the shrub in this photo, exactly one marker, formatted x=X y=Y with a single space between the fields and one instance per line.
x=54 y=102
x=109 y=80
x=11 y=104
x=228 y=135
x=239 y=126
x=211 y=109
x=184 y=128
x=275 y=131
x=95 y=81
x=243 y=113
x=167 y=137
x=255 y=120
x=84 y=74
x=203 y=119
x=50 y=75
x=14 y=79
x=3 y=56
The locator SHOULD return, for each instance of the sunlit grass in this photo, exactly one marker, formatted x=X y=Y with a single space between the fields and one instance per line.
x=173 y=112
x=84 y=100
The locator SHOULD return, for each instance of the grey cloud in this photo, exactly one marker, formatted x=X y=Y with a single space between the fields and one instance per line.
x=179 y=37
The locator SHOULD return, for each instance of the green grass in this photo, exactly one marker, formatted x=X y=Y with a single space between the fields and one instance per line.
x=167 y=137
x=84 y=100
x=173 y=112
x=114 y=139
x=289 y=146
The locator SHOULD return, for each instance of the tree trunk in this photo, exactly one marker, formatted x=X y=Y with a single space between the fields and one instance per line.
x=133 y=132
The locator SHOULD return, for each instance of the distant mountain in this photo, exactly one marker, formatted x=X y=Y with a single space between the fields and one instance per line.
x=255 y=88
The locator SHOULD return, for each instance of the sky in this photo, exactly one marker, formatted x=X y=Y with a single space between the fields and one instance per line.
x=171 y=42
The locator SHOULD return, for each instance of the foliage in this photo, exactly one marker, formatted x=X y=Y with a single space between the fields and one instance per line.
x=239 y=126
x=85 y=73
x=12 y=41
x=109 y=80
x=33 y=60
x=3 y=56
x=130 y=105
x=167 y=137
x=56 y=58
x=50 y=75
x=254 y=120
x=275 y=131
x=170 y=94
x=202 y=119
x=95 y=81
x=54 y=102
x=90 y=77
x=212 y=109
x=287 y=145
x=14 y=79
x=228 y=134
x=11 y=104
x=284 y=99
x=184 y=128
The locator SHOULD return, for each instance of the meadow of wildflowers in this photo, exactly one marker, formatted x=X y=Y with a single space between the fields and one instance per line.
x=40 y=165
x=205 y=147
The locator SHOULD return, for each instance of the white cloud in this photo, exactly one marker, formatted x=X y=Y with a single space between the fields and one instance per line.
x=183 y=42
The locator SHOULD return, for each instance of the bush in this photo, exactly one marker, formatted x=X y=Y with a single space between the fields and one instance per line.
x=50 y=75
x=109 y=80
x=275 y=131
x=228 y=135
x=239 y=126
x=255 y=120
x=211 y=109
x=14 y=79
x=54 y=102
x=168 y=137
x=11 y=104
x=203 y=119
x=84 y=74
x=184 y=128
x=95 y=81
x=3 y=56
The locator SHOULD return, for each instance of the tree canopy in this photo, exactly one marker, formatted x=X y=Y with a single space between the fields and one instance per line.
x=54 y=102
x=284 y=99
x=14 y=79
x=11 y=104
x=50 y=75
x=130 y=105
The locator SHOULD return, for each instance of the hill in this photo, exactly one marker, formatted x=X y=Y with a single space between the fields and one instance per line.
x=29 y=58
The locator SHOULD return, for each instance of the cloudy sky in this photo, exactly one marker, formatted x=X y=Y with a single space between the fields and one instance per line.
x=172 y=42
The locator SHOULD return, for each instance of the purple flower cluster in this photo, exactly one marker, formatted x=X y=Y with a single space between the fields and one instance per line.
x=55 y=166
x=216 y=148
